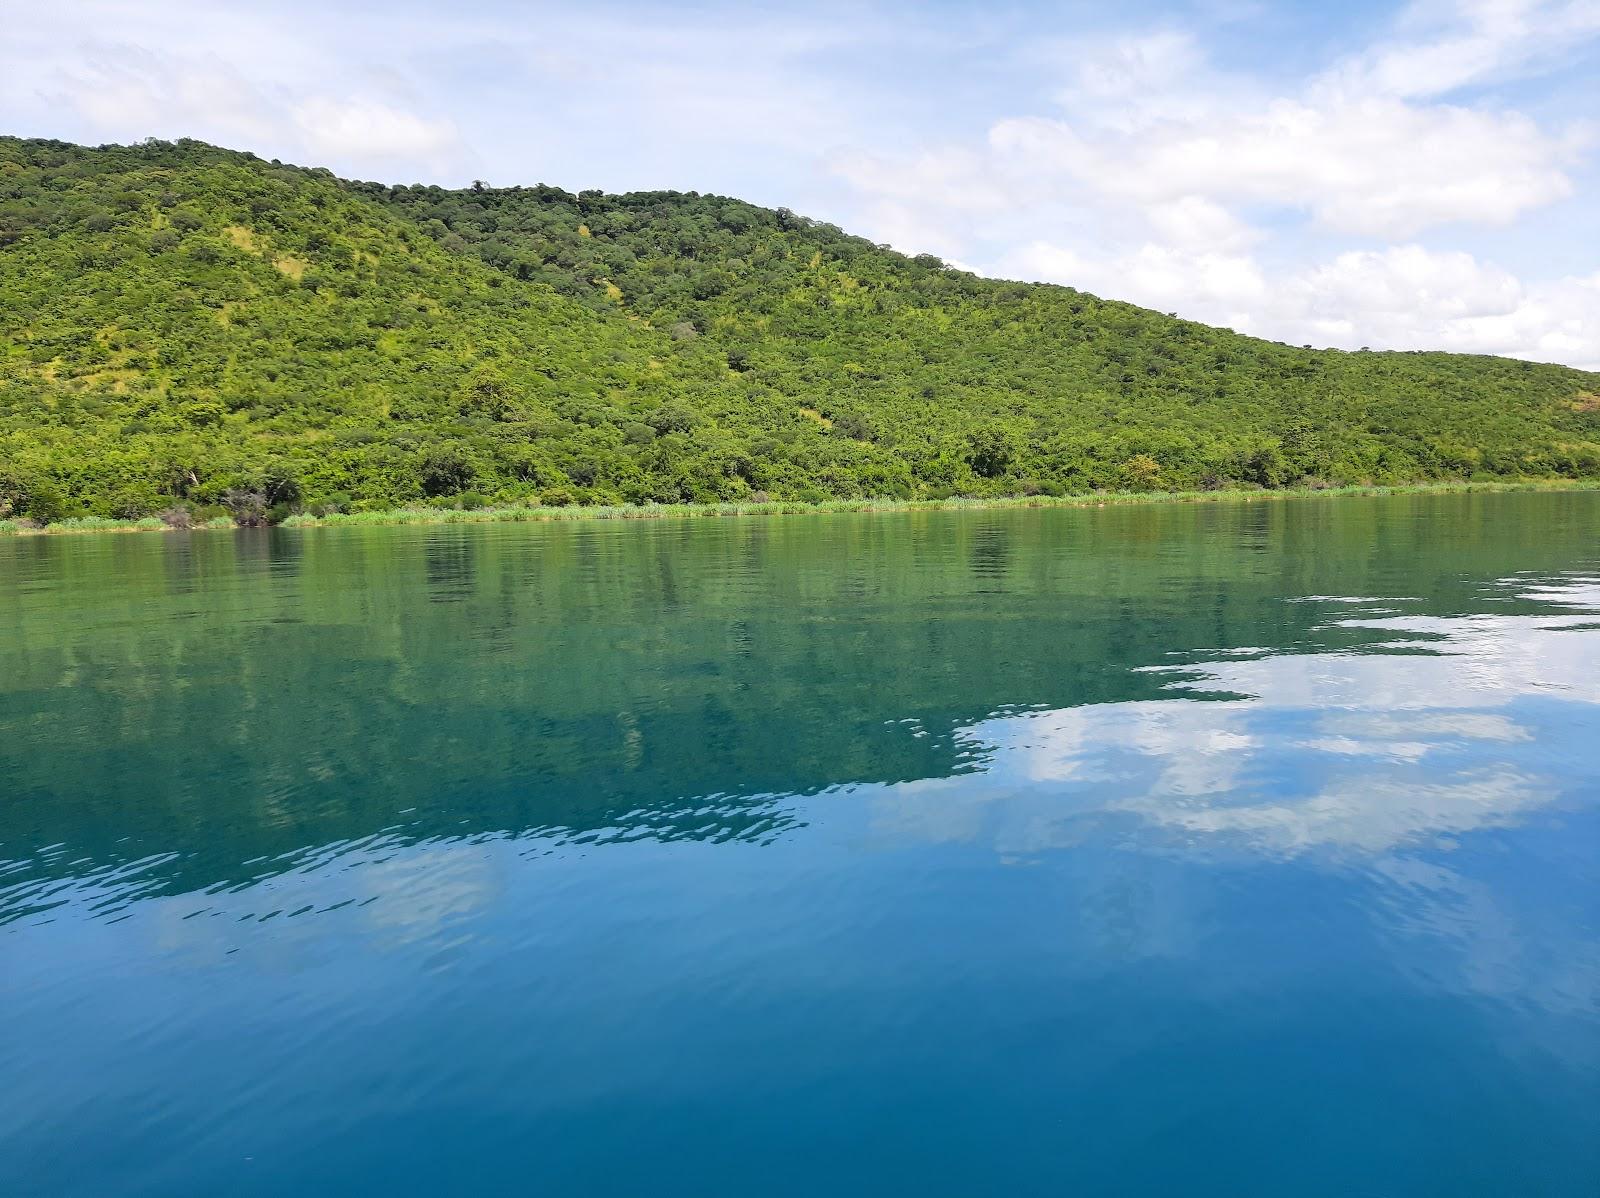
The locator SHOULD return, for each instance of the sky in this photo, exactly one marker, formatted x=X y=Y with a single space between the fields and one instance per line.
x=1405 y=176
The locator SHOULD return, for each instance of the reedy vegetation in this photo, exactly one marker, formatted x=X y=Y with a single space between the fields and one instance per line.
x=190 y=330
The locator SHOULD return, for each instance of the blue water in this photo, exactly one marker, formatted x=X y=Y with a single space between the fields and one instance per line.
x=1229 y=850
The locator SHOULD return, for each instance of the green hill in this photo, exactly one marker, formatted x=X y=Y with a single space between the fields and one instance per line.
x=182 y=325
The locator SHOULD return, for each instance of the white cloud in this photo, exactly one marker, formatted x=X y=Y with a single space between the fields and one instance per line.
x=1126 y=82
x=1466 y=42
x=960 y=178
x=1371 y=167
x=204 y=79
x=1407 y=282
x=1194 y=222
x=1406 y=297
x=1230 y=289
x=368 y=127
x=129 y=92
x=1172 y=184
x=1147 y=120
x=1354 y=205
x=613 y=95
x=1124 y=67
x=1410 y=298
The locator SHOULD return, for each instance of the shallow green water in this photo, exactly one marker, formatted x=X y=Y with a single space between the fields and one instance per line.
x=1213 y=851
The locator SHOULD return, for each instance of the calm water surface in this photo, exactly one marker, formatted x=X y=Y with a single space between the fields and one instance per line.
x=1206 y=851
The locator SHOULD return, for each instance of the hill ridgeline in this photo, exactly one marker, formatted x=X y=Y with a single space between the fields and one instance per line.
x=196 y=331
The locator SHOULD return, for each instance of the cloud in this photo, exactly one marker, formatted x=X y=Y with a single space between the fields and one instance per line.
x=1194 y=222
x=1405 y=297
x=1129 y=81
x=1375 y=167
x=961 y=179
x=356 y=127
x=1386 y=196
x=1412 y=298
x=130 y=92
x=1466 y=42
x=1149 y=187
x=1170 y=183
x=1148 y=120
x=617 y=95
x=125 y=91
x=1228 y=289
x=283 y=84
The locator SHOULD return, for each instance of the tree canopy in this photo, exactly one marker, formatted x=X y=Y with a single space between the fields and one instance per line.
x=183 y=326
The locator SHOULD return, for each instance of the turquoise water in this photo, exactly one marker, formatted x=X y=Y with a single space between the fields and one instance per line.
x=1223 y=850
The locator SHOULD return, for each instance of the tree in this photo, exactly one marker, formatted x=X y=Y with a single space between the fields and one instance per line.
x=990 y=452
x=454 y=341
x=1143 y=471
x=445 y=470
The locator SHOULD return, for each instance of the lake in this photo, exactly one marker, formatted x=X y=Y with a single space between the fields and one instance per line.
x=1246 y=849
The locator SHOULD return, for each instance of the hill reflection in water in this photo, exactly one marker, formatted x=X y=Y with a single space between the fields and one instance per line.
x=219 y=707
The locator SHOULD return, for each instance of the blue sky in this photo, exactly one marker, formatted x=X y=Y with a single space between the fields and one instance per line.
x=1421 y=175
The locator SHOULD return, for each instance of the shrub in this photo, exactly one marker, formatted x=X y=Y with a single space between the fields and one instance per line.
x=247 y=506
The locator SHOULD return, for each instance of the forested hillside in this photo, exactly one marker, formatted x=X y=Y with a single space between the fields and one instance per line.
x=188 y=327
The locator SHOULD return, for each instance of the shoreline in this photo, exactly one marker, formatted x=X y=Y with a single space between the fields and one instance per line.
x=666 y=511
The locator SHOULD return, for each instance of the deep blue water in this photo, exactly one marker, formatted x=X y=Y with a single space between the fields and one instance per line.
x=1235 y=850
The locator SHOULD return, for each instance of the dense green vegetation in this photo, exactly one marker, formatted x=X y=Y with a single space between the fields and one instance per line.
x=190 y=330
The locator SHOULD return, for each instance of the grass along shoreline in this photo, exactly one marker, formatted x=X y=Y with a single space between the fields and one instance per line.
x=531 y=514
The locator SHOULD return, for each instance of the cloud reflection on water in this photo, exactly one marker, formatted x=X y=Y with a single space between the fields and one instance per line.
x=1388 y=768
x=1409 y=741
